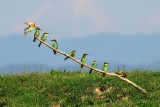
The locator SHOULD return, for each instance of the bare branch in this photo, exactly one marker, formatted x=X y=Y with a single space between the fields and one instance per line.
x=95 y=69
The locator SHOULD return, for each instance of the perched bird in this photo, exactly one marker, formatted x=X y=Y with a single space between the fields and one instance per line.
x=31 y=27
x=72 y=54
x=122 y=74
x=43 y=38
x=94 y=65
x=83 y=59
x=105 y=68
x=36 y=34
x=55 y=45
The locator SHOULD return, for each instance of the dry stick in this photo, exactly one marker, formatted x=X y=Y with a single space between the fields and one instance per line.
x=97 y=70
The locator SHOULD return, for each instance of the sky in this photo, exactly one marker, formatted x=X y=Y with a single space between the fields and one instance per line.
x=117 y=21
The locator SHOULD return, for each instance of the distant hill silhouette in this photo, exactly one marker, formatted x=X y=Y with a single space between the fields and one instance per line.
x=131 y=51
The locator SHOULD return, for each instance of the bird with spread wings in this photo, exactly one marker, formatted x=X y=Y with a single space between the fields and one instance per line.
x=31 y=27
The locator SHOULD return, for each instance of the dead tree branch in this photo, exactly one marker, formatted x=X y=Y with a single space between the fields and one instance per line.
x=95 y=69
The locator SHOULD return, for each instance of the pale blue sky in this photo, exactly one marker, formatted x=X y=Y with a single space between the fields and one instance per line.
x=135 y=23
x=79 y=18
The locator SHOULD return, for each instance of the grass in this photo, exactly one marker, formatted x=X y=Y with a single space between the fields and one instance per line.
x=56 y=88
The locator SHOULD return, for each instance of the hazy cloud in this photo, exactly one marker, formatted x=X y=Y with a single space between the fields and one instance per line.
x=84 y=17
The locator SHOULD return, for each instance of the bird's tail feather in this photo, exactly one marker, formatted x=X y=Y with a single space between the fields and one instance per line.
x=90 y=71
x=103 y=74
x=34 y=40
x=66 y=58
x=54 y=52
x=39 y=44
x=81 y=66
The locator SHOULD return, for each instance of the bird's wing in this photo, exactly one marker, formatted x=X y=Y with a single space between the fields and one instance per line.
x=92 y=64
x=57 y=44
x=83 y=60
x=31 y=24
x=70 y=53
x=96 y=64
x=25 y=29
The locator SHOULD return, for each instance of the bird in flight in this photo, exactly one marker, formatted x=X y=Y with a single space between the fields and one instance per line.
x=31 y=27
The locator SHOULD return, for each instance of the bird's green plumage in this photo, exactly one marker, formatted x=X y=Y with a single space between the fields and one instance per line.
x=36 y=34
x=43 y=38
x=26 y=30
x=105 y=68
x=94 y=65
x=31 y=29
x=55 y=45
x=83 y=59
x=72 y=54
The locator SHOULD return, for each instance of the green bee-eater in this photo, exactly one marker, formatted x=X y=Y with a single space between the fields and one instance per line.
x=72 y=54
x=37 y=33
x=55 y=45
x=43 y=38
x=83 y=59
x=94 y=65
x=31 y=27
x=105 y=68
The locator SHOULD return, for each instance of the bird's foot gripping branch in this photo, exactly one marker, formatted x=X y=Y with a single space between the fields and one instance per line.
x=71 y=55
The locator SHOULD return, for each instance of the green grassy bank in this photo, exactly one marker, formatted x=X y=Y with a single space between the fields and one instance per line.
x=63 y=89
